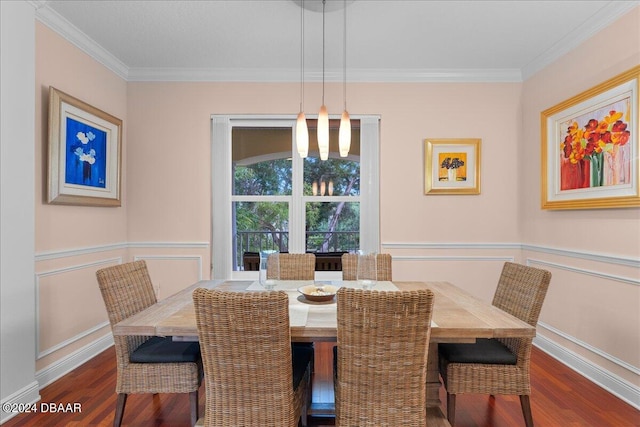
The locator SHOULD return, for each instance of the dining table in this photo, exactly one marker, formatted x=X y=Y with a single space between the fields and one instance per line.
x=458 y=316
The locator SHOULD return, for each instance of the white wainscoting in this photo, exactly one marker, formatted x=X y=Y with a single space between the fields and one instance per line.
x=618 y=386
x=611 y=382
x=69 y=362
x=40 y=353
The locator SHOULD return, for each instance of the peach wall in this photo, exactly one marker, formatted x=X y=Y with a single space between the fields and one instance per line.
x=572 y=74
x=412 y=112
x=70 y=241
x=63 y=66
x=171 y=185
x=593 y=305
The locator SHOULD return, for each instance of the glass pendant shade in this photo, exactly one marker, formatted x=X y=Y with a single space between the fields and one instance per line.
x=323 y=133
x=302 y=135
x=345 y=134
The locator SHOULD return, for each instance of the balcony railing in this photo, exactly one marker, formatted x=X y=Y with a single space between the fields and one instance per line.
x=316 y=241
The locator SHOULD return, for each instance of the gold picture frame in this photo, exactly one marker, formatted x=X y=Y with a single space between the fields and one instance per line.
x=590 y=147
x=85 y=153
x=452 y=166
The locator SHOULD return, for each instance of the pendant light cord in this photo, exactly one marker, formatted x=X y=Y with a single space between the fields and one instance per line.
x=302 y=57
x=323 y=5
x=344 y=59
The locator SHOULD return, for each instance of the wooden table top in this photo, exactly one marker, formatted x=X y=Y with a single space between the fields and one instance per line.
x=457 y=315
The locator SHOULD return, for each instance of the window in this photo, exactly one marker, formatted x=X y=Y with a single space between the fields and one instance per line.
x=266 y=197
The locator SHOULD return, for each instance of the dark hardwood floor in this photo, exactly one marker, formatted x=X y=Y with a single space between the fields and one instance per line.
x=560 y=397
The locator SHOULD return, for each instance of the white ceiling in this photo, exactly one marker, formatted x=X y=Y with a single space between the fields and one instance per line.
x=387 y=40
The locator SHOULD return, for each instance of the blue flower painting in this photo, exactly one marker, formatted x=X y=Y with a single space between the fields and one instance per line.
x=86 y=155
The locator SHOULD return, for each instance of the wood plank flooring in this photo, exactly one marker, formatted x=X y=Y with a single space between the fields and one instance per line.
x=560 y=397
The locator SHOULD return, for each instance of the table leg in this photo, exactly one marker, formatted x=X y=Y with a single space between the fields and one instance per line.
x=435 y=416
x=433 y=377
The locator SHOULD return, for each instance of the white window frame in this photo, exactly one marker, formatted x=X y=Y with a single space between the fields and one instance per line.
x=221 y=184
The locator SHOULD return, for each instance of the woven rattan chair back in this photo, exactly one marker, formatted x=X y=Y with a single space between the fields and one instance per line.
x=383 y=341
x=521 y=291
x=295 y=266
x=245 y=342
x=127 y=290
x=350 y=266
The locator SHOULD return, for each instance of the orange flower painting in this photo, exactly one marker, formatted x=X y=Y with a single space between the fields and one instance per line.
x=590 y=147
x=595 y=150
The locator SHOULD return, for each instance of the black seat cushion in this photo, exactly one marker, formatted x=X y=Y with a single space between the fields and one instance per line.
x=486 y=351
x=303 y=344
x=165 y=350
x=301 y=357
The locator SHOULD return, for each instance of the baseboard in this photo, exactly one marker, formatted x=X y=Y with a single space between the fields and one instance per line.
x=26 y=396
x=603 y=378
x=68 y=363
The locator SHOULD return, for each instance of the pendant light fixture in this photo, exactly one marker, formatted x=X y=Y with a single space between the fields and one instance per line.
x=344 y=137
x=302 y=131
x=323 y=116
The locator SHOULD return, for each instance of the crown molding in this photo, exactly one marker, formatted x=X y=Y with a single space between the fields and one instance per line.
x=354 y=75
x=605 y=17
x=37 y=4
x=79 y=39
x=608 y=14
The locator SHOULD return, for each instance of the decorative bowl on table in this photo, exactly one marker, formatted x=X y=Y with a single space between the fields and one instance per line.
x=318 y=292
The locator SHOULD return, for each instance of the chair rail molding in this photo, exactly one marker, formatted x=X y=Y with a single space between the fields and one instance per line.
x=171 y=245
x=447 y=245
x=606 y=276
x=66 y=253
x=590 y=256
x=565 y=252
x=452 y=258
x=72 y=252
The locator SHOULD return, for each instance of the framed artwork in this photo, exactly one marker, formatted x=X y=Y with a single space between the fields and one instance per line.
x=84 y=153
x=590 y=147
x=452 y=166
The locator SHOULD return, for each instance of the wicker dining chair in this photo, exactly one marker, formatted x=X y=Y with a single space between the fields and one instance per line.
x=350 y=266
x=253 y=375
x=146 y=364
x=501 y=365
x=294 y=266
x=380 y=361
